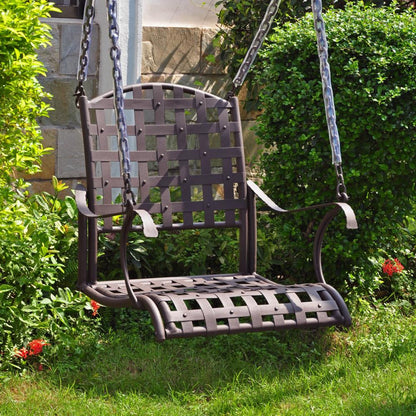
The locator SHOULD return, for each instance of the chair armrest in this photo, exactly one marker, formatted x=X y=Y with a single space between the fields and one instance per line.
x=83 y=208
x=351 y=221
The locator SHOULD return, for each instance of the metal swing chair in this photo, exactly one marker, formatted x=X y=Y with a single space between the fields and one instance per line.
x=172 y=137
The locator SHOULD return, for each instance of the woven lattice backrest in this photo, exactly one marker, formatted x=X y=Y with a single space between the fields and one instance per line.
x=186 y=153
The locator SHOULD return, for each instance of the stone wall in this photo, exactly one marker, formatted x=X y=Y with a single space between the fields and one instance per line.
x=169 y=54
x=61 y=130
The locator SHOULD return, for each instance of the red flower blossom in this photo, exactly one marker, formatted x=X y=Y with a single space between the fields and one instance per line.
x=95 y=307
x=36 y=346
x=22 y=353
x=390 y=267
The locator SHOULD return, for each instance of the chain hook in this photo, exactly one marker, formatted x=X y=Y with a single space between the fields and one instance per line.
x=342 y=195
x=79 y=92
x=128 y=194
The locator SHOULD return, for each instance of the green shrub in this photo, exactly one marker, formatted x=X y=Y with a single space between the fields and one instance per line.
x=38 y=233
x=240 y=19
x=37 y=248
x=21 y=95
x=372 y=58
x=180 y=253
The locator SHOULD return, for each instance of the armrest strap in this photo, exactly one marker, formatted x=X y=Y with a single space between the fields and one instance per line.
x=348 y=211
x=83 y=208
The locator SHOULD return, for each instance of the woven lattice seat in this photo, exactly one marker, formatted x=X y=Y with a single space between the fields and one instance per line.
x=188 y=170
x=224 y=304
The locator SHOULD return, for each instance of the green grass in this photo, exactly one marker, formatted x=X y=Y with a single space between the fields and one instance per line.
x=367 y=370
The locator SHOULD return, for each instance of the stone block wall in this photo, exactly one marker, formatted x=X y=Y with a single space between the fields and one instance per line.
x=173 y=54
x=61 y=130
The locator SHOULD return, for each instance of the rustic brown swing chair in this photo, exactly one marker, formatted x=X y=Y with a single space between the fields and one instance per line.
x=148 y=142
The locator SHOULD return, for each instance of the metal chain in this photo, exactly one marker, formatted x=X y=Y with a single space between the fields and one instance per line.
x=328 y=97
x=89 y=11
x=326 y=81
x=257 y=42
x=123 y=143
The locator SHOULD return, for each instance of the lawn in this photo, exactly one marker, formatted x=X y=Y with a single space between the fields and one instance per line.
x=369 y=369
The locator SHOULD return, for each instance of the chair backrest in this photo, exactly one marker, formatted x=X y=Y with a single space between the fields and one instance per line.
x=186 y=154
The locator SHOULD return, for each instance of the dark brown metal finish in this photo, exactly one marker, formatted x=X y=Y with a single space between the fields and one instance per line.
x=223 y=304
x=186 y=154
x=187 y=170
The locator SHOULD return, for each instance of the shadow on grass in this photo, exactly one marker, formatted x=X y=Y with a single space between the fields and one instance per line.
x=407 y=409
x=251 y=370
x=125 y=362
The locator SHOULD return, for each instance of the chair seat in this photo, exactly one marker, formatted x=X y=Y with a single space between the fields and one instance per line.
x=224 y=304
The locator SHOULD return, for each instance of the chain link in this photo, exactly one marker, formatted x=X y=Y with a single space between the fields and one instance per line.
x=326 y=81
x=257 y=42
x=84 y=48
x=329 y=98
x=115 y=54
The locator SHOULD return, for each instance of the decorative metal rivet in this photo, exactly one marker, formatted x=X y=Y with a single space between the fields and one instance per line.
x=181 y=129
x=205 y=153
x=166 y=207
x=185 y=180
x=102 y=130
x=208 y=205
x=143 y=183
x=158 y=103
x=185 y=315
x=140 y=131
x=106 y=183
x=276 y=308
x=228 y=177
x=319 y=305
x=231 y=312
x=162 y=155
x=201 y=102
x=224 y=127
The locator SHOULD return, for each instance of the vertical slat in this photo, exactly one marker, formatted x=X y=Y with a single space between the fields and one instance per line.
x=203 y=139
x=161 y=143
x=238 y=143
x=184 y=173
x=102 y=144
x=223 y=119
x=144 y=188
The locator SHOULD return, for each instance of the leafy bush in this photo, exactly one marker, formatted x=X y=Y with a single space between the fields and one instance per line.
x=38 y=233
x=21 y=95
x=37 y=245
x=184 y=252
x=239 y=21
x=180 y=253
x=372 y=58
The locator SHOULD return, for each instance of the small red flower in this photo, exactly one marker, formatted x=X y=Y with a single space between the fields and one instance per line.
x=95 y=307
x=36 y=346
x=390 y=267
x=22 y=353
x=399 y=266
